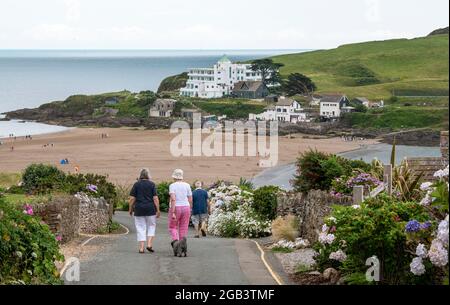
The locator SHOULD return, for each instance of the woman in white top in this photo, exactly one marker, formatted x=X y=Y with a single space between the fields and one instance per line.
x=180 y=207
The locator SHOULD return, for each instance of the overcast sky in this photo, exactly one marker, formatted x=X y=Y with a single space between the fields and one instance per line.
x=212 y=24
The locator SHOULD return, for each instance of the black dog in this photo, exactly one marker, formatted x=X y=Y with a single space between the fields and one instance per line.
x=180 y=247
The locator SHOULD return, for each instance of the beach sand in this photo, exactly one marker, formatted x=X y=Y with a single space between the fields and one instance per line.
x=125 y=151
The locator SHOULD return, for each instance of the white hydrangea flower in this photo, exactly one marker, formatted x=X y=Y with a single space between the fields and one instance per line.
x=339 y=256
x=332 y=219
x=426 y=186
x=326 y=238
x=438 y=254
x=427 y=200
x=442 y=173
x=442 y=233
x=417 y=266
x=421 y=251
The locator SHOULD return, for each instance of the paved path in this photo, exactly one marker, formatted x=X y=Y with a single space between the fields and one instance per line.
x=210 y=261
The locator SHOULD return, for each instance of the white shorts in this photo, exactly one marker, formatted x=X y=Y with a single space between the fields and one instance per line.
x=145 y=227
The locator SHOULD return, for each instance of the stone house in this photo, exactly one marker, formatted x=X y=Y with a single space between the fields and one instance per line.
x=162 y=108
x=250 y=90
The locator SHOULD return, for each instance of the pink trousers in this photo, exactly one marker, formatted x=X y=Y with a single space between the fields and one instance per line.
x=178 y=228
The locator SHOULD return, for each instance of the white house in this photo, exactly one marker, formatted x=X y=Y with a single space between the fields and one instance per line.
x=162 y=108
x=285 y=110
x=219 y=80
x=331 y=106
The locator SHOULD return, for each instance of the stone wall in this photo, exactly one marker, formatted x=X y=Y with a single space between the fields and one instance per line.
x=94 y=213
x=61 y=215
x=67 y=216
x=310 y=209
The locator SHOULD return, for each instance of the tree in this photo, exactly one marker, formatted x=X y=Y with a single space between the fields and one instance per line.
x=299 y=84
x=269 y=70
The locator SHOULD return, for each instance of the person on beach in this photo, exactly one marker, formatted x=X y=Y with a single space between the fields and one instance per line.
x=180 y=207
x=200 y=209
x=144 y=203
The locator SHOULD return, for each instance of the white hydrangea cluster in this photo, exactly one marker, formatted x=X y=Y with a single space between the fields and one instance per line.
x=429 y=189
x=442 y=173
x=224 y=195
x=299 y=243
x=438 y=253
x=442 y=232
x=339 y=256
x=421 y=251
x=324 y=237
x=242 y=217
x=417 y=266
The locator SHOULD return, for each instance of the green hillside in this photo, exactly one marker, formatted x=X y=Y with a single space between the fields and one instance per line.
x=376 y=69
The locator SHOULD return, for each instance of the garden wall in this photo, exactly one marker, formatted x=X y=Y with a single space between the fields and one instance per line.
x=311 y=209
x=67 y=216
x=61 y=215
x=94 y=213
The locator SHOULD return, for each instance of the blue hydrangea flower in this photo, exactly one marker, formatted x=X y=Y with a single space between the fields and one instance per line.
x=413 y=226
x=426 y=225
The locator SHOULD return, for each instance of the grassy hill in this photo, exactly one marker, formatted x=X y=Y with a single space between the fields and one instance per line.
x=376 y=69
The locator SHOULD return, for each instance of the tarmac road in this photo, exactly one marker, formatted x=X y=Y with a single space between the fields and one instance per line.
x=210 y=261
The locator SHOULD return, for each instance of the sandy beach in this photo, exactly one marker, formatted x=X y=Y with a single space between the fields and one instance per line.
x=125 y=151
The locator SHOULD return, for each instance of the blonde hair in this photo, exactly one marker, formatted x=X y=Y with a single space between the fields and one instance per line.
x=198 y=184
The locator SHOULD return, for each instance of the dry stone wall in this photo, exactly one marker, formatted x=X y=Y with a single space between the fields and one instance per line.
x=311 y=209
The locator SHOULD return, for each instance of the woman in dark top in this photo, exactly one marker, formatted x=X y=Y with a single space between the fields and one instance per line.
x=144 y=203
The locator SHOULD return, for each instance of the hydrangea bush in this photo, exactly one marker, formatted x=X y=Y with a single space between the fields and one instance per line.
x=430 y=242
x=232 y=214
x=410 y=238
x=343 y=186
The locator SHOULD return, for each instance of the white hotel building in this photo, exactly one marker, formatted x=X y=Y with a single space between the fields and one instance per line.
x=217 y=81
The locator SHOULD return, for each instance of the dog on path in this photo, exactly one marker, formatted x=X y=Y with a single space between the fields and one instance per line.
x=180 y=248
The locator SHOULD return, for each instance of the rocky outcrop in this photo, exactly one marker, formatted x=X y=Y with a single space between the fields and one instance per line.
x=439 y=32
x=422 y=137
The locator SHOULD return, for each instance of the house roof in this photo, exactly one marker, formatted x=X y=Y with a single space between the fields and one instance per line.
x=332 y=98
x=285 y=101
x=362 y=99
x=165 y=101
x=247 y=85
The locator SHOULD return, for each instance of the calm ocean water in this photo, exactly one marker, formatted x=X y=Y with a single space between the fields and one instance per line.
x=29 y=78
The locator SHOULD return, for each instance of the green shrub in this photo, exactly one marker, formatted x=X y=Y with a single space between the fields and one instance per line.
x=40 y=178
x=16 y=190
x=79 y=182
x=265 y=202
x=317 y=170
x=163 y=195
x=28 y=249
x=377 y=228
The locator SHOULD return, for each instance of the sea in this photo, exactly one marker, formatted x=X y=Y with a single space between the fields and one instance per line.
x=29 y=78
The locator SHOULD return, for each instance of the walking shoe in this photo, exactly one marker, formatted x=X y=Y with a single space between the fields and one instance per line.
x=203 y=232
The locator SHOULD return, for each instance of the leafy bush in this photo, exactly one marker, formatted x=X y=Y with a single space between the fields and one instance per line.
x=163 y=195
x=285 y=228
x=79 y=182
x=376 y=228
x=28 y=250
x=265 y=200
x=317 y=170
x=233 y=215
x=40 y=178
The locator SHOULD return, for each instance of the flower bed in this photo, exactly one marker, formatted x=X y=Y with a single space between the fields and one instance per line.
x=233 y=216
x=408 y=238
